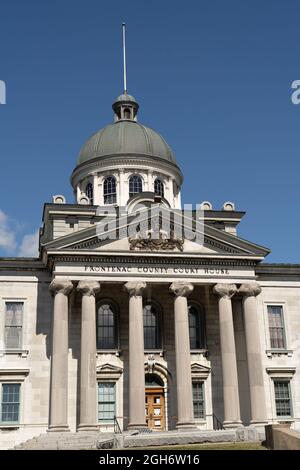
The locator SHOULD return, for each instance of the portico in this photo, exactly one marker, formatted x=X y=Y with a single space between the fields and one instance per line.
x=174 y=354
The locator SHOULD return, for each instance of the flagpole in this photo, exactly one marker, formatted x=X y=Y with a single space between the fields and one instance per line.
x=124 y=57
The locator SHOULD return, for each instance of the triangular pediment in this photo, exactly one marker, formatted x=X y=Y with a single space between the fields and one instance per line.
x=118 y=236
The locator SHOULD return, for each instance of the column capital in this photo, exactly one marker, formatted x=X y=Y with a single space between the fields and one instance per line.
x=250 y=289
x=135 y=289
x=181 y=288
x=61 y=286
x=225 y=290
x=88 y=287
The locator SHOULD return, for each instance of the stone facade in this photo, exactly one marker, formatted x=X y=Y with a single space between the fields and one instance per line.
x=53 y=359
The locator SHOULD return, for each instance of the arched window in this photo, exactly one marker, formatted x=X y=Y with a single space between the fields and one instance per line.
x=135 y=185
x=127 y=113
x=152 y=330
x=89 y=191
x=110 y=190
x=196 y=326
x=159 y=187
x=106 y=326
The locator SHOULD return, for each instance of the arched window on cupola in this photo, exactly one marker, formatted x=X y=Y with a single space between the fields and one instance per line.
x=89 y=191
x=110 y=190
x=135 y=185
x=159 y=187
x=127 y=113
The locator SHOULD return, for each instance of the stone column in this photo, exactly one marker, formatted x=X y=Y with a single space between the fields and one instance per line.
x=88 y=380
x=255 y=370
x=229 y=366
x=59 y=363
x=137 y=418
x=185 y=412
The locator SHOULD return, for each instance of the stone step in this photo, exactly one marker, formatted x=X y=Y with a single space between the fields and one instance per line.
x=67 y=441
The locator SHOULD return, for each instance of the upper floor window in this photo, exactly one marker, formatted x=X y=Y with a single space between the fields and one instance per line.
x=110 y=190
x=10 y=403
x=196 y=326
x=276 y=327
x=135 y=185
x=198 y=400
x=89 y=191
x=283 y=398
x=152 y=330
x=13 y=325
x=106 y=326
x=159 y=187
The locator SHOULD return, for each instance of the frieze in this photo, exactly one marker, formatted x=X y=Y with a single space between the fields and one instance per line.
x=144 y=260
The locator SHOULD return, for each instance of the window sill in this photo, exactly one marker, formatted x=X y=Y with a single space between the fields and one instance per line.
x=204 y=352
x=9 y=427
x=279 y=352
x=282 y=419
x=116 y=352
x=154 y=351
x=14 y=352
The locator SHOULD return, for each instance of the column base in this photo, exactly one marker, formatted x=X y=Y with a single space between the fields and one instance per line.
x=87 y=427
x=185 y=425
x=136 y=426
x=58 y=428
x=258 y=422
x=232 y=424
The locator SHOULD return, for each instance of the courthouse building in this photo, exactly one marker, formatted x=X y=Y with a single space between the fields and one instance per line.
x=162 y=331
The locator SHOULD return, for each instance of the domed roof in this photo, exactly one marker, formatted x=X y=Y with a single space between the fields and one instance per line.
x=126 y=136
x=125 y=98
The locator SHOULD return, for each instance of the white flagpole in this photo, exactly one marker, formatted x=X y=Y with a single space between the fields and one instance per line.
x=124 y=57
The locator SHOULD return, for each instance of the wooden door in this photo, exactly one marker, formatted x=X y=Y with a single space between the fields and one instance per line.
x=155 y=408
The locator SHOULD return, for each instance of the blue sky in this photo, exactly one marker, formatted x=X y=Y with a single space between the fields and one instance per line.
x=212 y=76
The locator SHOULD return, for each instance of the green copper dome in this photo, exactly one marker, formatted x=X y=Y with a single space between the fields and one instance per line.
x=125 y=136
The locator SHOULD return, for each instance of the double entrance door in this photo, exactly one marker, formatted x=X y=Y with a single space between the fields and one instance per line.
x=155 y=408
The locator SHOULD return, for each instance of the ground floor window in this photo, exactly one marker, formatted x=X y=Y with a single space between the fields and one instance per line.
x=10 y=403
x=283 y=398
x=106 y=402
x=198 y=400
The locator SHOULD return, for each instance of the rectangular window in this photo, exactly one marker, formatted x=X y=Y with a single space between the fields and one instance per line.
x=106 y=402
x=13 y=325
x=10 y=403
x=283 y=398
x=198 y=400
x=276 y=327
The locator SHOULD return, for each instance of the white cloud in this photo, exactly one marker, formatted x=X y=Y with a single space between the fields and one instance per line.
x=7 y=234
x=10 y=235
x=30 y=245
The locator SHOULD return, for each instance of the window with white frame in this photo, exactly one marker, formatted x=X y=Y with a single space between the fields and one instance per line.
x=106 y=402
x=283 y=400
x=276 y=327
x=135 y=185
x=198 y=400
x=13 y=325
x=110 y=190
x=10 y=403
